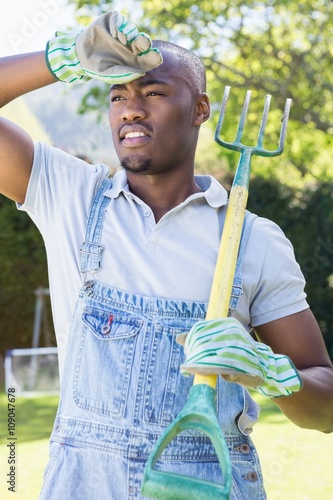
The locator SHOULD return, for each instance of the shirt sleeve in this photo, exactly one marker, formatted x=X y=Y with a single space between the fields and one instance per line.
x=55 y=178
x=277 y=283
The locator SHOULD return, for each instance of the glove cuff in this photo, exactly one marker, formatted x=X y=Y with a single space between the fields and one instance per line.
x=62 y=59
x=282 y=378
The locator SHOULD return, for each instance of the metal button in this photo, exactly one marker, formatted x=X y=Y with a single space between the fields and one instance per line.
x=105 y=329
x=251 y=476
x=243 y=448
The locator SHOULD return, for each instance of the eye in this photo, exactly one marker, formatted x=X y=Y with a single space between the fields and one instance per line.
x=154 y=93
x=116 y=98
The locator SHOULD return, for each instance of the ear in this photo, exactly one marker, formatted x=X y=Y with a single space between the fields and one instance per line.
x=202 y=109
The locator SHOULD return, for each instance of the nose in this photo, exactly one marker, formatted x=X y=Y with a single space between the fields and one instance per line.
x=133 y=109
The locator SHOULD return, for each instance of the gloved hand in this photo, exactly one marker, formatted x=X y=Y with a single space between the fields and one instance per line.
x=224 y=347
x=110 y=50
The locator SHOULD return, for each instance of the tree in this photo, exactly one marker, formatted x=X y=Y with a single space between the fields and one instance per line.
x=23 y=270
x=277 y=47
x=307 y=220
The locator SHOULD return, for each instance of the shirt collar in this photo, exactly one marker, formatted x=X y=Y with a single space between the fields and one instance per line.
x=119 y=184
x=214 y=193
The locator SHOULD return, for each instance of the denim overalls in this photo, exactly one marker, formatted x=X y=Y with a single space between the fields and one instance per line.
x=121 y=386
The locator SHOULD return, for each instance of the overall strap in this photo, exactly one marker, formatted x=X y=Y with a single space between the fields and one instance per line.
x=91 y=250
x=237 y=290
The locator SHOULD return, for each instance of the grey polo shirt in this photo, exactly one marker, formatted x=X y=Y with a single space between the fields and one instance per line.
x=174 y=258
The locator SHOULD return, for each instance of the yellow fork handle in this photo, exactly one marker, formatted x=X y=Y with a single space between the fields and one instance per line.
x=218 y=306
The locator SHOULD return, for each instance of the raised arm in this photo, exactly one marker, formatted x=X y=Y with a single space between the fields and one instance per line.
x=110 y=49
x=18 y=75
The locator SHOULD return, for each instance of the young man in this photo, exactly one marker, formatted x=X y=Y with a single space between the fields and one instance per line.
x=131 y=261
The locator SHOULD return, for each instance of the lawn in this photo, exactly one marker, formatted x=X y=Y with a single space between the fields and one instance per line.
x=297 y=463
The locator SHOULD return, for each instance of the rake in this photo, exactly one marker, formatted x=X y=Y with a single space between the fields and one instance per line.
x=199 y=411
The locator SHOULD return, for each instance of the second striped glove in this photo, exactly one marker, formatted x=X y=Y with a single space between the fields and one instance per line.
x=224 y=347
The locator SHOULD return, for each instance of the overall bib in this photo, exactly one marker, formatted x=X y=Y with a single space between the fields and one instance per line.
x=121 y=387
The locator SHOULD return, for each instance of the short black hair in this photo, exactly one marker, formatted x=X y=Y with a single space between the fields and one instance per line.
x=192 y=65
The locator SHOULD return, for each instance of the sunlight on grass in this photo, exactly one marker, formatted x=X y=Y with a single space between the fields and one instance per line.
x=31 y=460
x=296 y=463
x=34 y=420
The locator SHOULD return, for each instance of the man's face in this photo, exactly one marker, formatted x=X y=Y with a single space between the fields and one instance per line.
x=153 y=120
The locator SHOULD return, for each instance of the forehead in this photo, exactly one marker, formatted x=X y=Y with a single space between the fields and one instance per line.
x=170 y=65
x=168 y=71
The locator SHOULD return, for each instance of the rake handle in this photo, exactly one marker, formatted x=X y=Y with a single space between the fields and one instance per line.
x=218 y=305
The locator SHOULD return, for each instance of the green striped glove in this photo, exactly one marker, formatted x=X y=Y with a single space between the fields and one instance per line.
x=110 y=49
x=224 y=347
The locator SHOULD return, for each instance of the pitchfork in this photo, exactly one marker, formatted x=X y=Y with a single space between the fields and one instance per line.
x=199 y=412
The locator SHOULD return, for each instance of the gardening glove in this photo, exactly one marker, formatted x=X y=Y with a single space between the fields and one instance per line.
x=224 y=347
x=110 y=49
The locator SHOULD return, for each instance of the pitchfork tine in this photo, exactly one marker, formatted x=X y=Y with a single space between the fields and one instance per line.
x=258 y=149
x=221 y=116
x=284 y=120
x=243 y=117
x=264 y=120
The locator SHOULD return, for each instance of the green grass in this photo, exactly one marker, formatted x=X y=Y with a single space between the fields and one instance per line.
x=34 y=420
x=296 y=463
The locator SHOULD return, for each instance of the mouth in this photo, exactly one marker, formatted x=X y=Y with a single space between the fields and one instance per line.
x=133 y=136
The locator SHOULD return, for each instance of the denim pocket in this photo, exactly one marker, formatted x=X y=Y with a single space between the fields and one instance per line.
x=166 y=389
x=104 y=363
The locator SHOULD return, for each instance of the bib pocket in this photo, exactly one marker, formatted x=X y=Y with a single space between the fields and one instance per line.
x=104 y=362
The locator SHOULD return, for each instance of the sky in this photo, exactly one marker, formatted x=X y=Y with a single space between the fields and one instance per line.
x=26 y=27
x=29 y=24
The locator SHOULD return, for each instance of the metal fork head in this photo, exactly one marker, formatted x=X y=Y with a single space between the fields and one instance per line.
x=257 y=149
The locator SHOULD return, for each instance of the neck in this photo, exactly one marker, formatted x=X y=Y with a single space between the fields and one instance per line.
x=162 y=192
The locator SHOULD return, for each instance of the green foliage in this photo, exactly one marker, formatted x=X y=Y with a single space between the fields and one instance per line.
x=314 y=239
x=306 y=217
x=284 y=49
x=23 y=269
